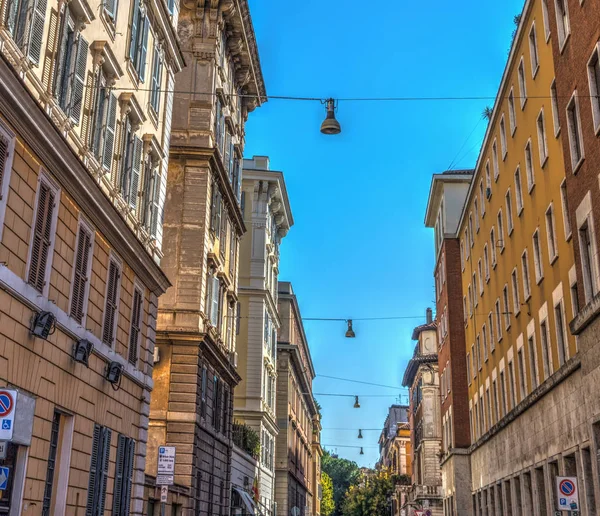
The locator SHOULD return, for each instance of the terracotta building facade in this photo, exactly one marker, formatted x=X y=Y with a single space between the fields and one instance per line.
x=298 y=451
x=84 y=124
x=195 y=372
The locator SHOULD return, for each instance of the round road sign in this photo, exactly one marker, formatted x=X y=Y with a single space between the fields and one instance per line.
x=6 y=403
x=567 y=487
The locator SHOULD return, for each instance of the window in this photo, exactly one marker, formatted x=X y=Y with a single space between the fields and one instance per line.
x=512 y=117
x=471 y=241
x=537 y=257
x=474 y=355
x=478 y=349
x=490 y=421
x=465 y=308
x=503 y=137
x=546 y=352
x=588 y=261
x=518 y=191
x=533 y=361
x=574 y=299
x=506 y=307
x=110 y=9
x=561 y=336
x=503 y=407
x=511 y=384
x=98 y=471
x=495 y=160
x=57 y=475
x=488 y=180
x=484 y=342
x=480 y=277
x=203 y=391
x=475 y=299
x=522 y=384
x=156 y=81
x=470 y=295
x=469 y=367
x=136 y=325
x=542 y=142
x=565 y=209
x=529 y=167
x=509 y=213
x=493 y=245
x=462 y=255
x=525 y=270
x=81 y=272
x=496 y=401
x=215 y=210
x=574 y=127
x=482 y=198
x=551 y=232
x=594 y=80
x=216 y=404
x=486 y=262
x=220 y=129
x=113 y=284
x=533 y=51
x=139 y=39
x=467 y=247
x=522 y=83
x=546 y=18
x=554 y=99
x=42 y=239
x=492 y=342
x=123 y=476
x=515 y=289
x=562 y=22
x=25 y=21
x=151 y=208
x=213 y=299
x=131 y=164
x=476 y=212
x=7 y=148
x=498 y=320
x=500 y=231
x=70 y=66
x=103 y=123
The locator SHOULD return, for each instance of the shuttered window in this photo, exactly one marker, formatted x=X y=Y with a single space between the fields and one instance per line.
x=150 y=196
x=216 y=416
x=213 y=298
x=157 y=67
x=139 y=39
x=25 y=20
x=4 y=158
x=131 y=166
x=203 y=391
x=81 y=272
x=123 y=476
x=112 y=299
x=98 y=471
x=136 y=322
x=51 y=467
x=111 y=8
x=42 y=236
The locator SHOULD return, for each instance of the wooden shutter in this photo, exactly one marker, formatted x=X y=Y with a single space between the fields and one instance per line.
x=203 y=391
x=213 y=207
x=227 y=154
x=88 y=109
x=105 y=456
x=128 y=476
x=42 y=232
x=109 y=132
x=80 y=279
x=118 y=489
x=155 y=202
x=112 y=296
x=216 y=416
x=238 y=186
x=144 y=48
x=36 y=31
x=90 y=509
x=156 y=80
x=78 y=84
x=238 y=319
x=136 y=319
x=134 y=30
x=4 y=155
x=214 y=302
x=134 y=176
x=51 y=47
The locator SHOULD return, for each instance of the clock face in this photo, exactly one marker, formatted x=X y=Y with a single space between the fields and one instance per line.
x=428 y=345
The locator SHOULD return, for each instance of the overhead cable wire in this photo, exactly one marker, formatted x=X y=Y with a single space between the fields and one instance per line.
x=358 y=381
x=455 y=159
x=354 y=395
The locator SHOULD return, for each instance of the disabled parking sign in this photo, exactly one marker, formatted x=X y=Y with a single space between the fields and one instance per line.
x=567 y=492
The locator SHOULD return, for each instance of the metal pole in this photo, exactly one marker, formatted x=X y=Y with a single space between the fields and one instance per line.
x=163 y=507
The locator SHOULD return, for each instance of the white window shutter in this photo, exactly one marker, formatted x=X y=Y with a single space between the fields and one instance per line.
x=36 y=31
x=134 y=30
x=134 y=180
x=109 y=132
x=214 y=309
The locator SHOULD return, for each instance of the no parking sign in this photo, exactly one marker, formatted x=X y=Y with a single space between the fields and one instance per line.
x=567 y=492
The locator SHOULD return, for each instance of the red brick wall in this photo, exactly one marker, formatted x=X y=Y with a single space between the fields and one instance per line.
x=571 y=73
x=453 y=349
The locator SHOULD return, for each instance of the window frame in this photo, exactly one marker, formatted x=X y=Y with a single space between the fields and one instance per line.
x=84 y=224
x=542 y=138
x=516 y=298
x=509 y=212
x=526 y=276
x=522 y=83
x=564 y=199
x=551 y=234
x=6 y=172
x=512 y=112
x=537 y=256
x=574 y=123
x=563 y=27
x=534 y=55
x=594 y=85
x=555 y=109
x=113 y=258
x=519 y=191
x=503 y=146
x=529 y=169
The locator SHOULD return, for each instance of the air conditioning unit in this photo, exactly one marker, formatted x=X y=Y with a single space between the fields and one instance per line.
x=488 y=192
x=82 y=350
x=43 y=324
x=114 y=370
x=233 y=358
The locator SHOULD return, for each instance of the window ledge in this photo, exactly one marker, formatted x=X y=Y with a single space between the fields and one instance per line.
x=520 y=211
x=535 y=72
x=530 y=188
x=523 y=102
x=577 y=165
x=553 y=259
x=563 y=44
x=557 y=132
x=510 y=231
x=568 y=236
x=504 y=154
x=597 y=128
x=539 y=280
x=544 y=161
x=513 y=131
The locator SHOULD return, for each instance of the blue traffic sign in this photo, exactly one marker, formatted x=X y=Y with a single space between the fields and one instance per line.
x=4 y=474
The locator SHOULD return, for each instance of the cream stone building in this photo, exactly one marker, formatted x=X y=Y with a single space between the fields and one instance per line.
x=196 y=372
x=298 y=451
x=268 y=217
x=84 y=132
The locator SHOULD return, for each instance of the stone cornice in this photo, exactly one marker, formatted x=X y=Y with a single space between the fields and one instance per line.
x=39 y=132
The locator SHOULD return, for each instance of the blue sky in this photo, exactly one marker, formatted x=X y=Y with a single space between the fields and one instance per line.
x=359 y=247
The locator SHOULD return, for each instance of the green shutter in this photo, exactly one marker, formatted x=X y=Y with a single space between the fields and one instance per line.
x=90 y=509
x=118 y=489
x=78 y=84
x=109 y=132
x=144 y=49
x=134 y=30
x=106 y=433
x=134 y=176
x=36 y=30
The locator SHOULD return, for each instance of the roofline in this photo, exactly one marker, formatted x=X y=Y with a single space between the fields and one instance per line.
x=435 y=183
x=263 y=174
x=503 y=82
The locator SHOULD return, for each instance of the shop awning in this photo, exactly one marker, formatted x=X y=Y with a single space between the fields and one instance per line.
x=246 y=500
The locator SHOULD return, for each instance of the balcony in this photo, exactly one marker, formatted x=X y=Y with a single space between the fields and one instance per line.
x=422 y=492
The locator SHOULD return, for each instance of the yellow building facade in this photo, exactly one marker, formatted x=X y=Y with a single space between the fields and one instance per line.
x=517 y=275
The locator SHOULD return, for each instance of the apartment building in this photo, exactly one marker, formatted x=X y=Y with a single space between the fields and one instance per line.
x=295 y=457
x=84 y=128
x=195 y=372
x=268 y=217
x=422 y=378
x=517 y=282
x=444 y=207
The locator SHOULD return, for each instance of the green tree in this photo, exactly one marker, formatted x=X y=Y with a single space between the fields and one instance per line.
x=369 y=497
x=343 y=473
x=327 y=503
